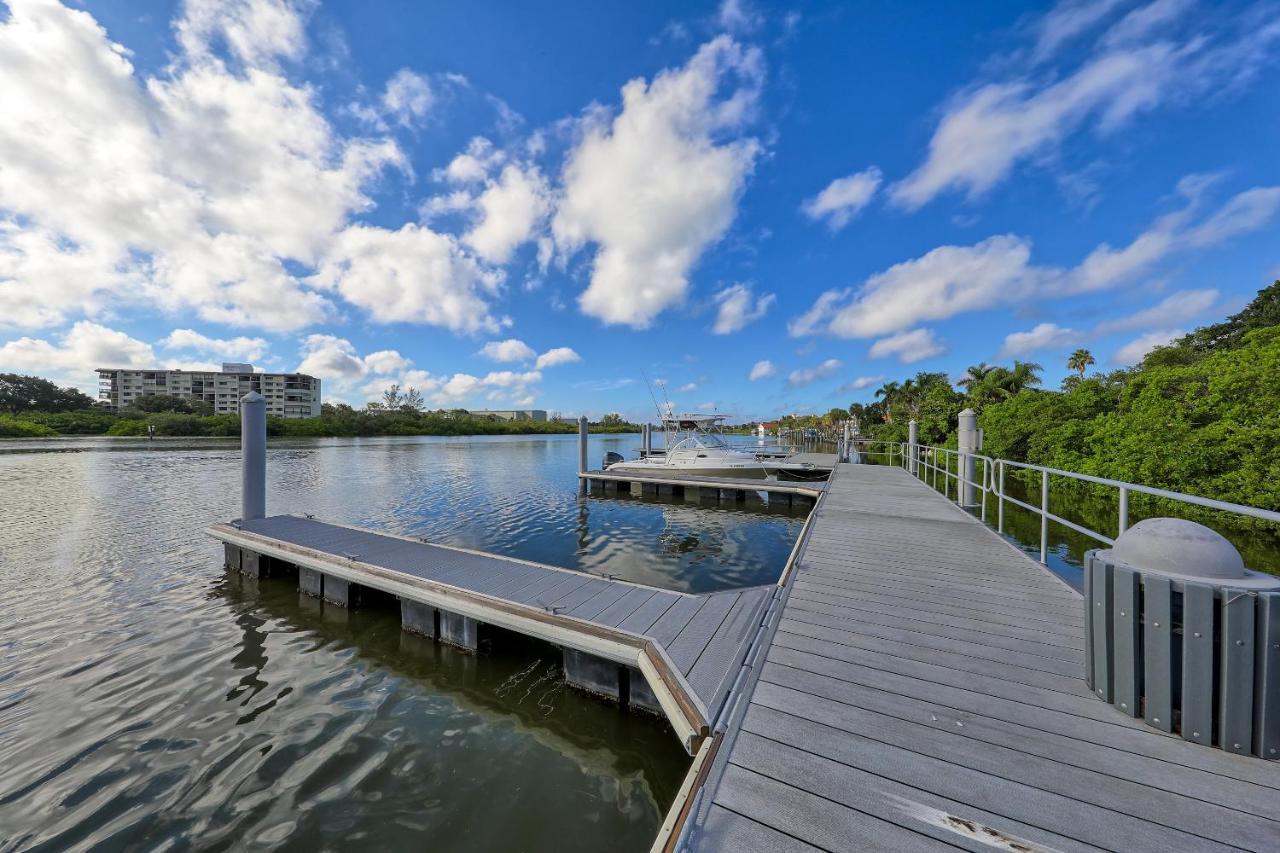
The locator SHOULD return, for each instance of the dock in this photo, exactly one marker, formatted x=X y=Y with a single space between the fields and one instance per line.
x=913 y=681
x=664 y=652
x=921 y=686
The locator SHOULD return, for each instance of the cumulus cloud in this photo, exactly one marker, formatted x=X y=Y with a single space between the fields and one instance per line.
x=843 y=198
x=655 y=185
x=557 y=356
x=72 y=359
x=1137 y=349
x=805 y=376
x=1139 y=65
x=762 y=370
x=1042 y=337
x=909 y=347
x=413 y=275
x=737 y=308
x=739 y=16
x=214 y=186
x=236 y=349
x=509 y=212
x=951 y=280
x=512 y=349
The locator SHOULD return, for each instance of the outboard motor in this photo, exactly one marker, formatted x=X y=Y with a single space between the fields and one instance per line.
x=610 y=457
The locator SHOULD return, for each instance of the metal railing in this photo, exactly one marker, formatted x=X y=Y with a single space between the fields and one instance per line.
x=889 y=449
x=932 y=461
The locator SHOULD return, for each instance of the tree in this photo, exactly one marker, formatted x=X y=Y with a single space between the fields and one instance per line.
x=391 y=397
x=974 y=375
x=19 y=393
x=886 y=394
x=155 y=403
x=1080 y=361
x=412 y=400
x=611 y=419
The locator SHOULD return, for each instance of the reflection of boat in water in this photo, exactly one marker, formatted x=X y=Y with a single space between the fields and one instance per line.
x=696 y=447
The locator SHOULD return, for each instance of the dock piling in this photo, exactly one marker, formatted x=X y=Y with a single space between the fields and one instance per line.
x=253 y=456
x=913 y=447
x=969 y=442
x=458 y=630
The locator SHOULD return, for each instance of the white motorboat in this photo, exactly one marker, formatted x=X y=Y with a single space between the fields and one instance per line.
x=696 y=447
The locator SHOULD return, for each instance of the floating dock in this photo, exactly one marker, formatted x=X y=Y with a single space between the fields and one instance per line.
x=798 y=493
x=912 y=682
x=665 y=652
x=921 y=685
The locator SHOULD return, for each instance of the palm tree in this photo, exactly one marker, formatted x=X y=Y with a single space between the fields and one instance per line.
x=1080 y=361
x=1024 y=374
x=888 y=392
x=975 y=375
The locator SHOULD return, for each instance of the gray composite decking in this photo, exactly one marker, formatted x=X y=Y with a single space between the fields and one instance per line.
x=923 y=689
x=703 y=635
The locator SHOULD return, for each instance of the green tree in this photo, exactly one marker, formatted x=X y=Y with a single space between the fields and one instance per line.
x=1079 y=361
x=20 y=393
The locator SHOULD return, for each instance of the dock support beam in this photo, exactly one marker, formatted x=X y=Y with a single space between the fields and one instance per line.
x=253 y=456
x=913 y=447
x=640 y=695
x=417 y=618
x=592 y=674
x=310 y=581
x=458 y=630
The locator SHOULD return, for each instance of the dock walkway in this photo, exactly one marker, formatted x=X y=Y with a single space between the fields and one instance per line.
x=687 y=649
x=921 y=686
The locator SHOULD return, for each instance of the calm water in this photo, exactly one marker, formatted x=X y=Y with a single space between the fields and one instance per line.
x=148 y=700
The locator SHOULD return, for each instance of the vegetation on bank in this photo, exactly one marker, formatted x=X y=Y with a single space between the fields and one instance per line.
x=31 y=407
x=1200 y=415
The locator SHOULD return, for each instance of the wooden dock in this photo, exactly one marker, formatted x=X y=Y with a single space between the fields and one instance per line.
x=919 y=685
x=666 y=652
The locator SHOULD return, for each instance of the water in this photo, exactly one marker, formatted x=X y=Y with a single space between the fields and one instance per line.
x=148 y=700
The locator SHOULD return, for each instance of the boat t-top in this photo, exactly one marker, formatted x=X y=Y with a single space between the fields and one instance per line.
x=695 y=445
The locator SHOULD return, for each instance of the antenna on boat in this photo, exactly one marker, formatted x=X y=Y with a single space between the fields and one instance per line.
x=652 y=396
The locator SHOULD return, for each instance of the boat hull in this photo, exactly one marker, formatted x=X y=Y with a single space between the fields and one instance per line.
x=743 y=473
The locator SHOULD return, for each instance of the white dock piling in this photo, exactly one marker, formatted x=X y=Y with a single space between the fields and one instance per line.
x=969 y=442
x=913 y=446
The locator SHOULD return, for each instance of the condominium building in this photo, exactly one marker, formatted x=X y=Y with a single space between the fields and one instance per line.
x=289 y=395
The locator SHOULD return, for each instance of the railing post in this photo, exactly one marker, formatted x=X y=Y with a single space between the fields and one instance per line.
x=986 y=487
x=913 y=443
x=1044 y=517
x=253 y=456
x=1000 y=499
x=1124 y=509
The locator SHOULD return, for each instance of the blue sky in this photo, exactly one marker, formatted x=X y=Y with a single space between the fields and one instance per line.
x=771 y=208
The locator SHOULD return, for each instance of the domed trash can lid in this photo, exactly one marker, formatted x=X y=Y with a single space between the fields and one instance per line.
x=1185 y=550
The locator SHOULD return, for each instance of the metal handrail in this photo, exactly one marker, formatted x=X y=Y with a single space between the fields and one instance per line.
x=993 y=479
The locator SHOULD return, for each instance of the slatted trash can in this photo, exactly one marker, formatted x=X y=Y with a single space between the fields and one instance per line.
x=1179 y=633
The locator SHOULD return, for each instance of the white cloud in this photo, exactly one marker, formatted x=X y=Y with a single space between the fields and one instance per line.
x=72 y=360
x=989 y=128
x=843 y=198
x=738 y=308
x=557 y=356
x=909 y=347
x=472 y=165
x=408 y=97
x=1042 y=337
x=739 y=16
x=509 y=212
x=654 y=186
x=216 y=186
x=1065 y=21
x=687 y=388
x=235 y=349
x=386 y=361
x=1137 y=349
x=762 y=370
x=1170 y=311
x=330 y=357
x=413 y=275
x=805 y=376
x=512 y=349
x=951 y=280
x=861 y=383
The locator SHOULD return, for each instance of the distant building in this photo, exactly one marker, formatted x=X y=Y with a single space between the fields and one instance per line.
x=512 y=414
x=289 y=395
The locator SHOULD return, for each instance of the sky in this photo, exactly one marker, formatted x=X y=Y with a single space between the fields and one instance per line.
x=766 y=208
